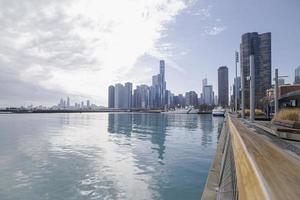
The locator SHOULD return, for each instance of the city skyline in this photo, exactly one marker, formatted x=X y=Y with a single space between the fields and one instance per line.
x=57 y=50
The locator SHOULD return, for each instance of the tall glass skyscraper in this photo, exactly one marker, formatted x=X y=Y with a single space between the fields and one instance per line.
x=122 y=95
x=163 y=82
x=223 y=86
x=158 y=88
x=258 y=45
x=127 y=95
x=111 y=96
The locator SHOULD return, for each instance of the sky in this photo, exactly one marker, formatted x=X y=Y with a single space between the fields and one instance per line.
x=51 y=49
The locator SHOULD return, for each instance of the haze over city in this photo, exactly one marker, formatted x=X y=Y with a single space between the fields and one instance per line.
x=53 y=49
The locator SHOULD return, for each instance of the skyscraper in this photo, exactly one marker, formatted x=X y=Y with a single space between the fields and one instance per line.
x=179 y=101
x=88 y=104
x=204 y=83
x=158 y=89
x=111 y=96
x=68 y=102
x=141 y=97
x=223 y=86
x=258 y=45
x=119 y=94
x=123 y=96
x=128 y=95
x=208 y=95
x=297 y=75
x=163 y=82
x=191 y=98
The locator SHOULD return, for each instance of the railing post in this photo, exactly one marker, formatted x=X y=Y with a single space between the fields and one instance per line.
x=252 y=88
x=276 y=91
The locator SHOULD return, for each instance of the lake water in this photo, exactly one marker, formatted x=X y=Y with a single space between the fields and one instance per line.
x=105 y=156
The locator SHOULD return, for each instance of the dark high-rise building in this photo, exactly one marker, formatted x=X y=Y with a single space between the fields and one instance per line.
x=179 y=101
x=258 y=45
x=191 y=98
x=223 y=86
x=111 y=96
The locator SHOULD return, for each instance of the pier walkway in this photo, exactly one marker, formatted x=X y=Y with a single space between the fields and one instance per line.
x=250 y=164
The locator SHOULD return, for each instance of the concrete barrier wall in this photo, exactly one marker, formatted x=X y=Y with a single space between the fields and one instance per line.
x=249 y=182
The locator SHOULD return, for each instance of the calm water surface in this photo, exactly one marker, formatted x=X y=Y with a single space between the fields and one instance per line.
x=105 y=156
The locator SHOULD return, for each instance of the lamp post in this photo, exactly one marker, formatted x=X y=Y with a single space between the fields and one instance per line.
x=242 y=92
x=252 y=88
x=235 y=82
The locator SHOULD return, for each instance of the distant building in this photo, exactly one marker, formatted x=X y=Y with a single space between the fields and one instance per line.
x=169 y=98
x=204 y=83
x=61 y=103
x=223 y=86
x=127 y=95
x=158 y=88
x=297 y=75
x=163 y=81
x=208 y=95
x=156 y=91
x=258 y=45
x=119 y=96
x=280 y=81
x=111 y=96
x=179 y=101
x=141 y=97
x=237 y=86
x=191 y=98
x=88 y=104
x=216 y=100
x=68 y=102
x=122 y=96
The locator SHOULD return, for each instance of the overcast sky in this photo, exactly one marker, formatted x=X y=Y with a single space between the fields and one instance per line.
x=56 y=48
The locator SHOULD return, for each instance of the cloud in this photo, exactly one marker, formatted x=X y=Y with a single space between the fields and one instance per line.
x=77 y=47
x=214 y=30
x=210 y=24
x=204 y=13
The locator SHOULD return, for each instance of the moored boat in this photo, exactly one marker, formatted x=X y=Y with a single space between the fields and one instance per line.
x=218 y=111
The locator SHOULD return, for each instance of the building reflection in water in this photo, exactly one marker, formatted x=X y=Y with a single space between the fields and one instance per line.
x=153 y=127
x=145 y=125
x=120 y=123
x=208 y=124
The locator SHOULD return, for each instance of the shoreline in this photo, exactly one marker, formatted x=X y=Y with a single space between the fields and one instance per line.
x=91 y=111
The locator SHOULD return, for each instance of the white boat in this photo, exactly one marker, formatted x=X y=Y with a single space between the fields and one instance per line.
x=218 y=111
x=178 y=111
x=193 y=110
x=187 y=110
